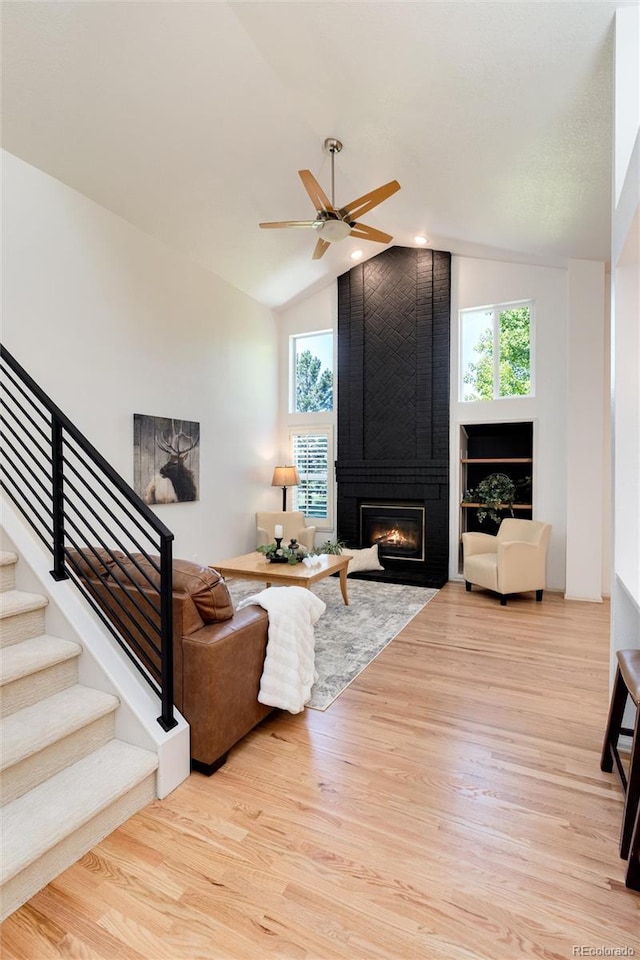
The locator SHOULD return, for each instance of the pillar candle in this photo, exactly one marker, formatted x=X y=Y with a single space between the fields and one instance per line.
x=278 y=531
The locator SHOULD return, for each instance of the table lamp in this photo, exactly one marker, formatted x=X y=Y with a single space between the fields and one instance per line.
x=285 y=477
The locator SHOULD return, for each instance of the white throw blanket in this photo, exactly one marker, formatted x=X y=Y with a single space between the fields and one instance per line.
x=289 y=664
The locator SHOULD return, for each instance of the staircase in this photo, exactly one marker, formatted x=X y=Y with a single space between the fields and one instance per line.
x=66 y=781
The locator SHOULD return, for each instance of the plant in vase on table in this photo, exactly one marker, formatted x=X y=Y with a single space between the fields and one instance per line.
x=294 y=552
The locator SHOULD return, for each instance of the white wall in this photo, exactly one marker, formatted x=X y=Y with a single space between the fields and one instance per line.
x=585 y=429
x=476 y=283
x=607 y=439
x=625 y=335
x=110 y=322
x=626 y=97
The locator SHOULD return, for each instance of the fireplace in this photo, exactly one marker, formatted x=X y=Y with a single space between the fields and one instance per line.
x=398 y=529
x=393 y=413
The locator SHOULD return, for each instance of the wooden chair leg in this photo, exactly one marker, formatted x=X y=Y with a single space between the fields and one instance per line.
x=467 y=586
x=503 y=600
x=614 y=723
x=632 y=797
x=539 y=595
x=632 y=878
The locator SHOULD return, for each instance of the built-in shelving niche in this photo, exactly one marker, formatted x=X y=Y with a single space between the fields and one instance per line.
x=487 y=448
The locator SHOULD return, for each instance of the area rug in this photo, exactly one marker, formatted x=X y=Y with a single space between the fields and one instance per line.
x=348 y=638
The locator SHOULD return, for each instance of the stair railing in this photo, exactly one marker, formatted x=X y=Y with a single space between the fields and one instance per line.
x=99 y=532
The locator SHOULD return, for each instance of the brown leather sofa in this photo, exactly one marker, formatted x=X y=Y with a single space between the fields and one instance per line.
x=218 y=653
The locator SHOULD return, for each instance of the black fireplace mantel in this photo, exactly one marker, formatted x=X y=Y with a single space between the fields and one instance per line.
x=393 y=397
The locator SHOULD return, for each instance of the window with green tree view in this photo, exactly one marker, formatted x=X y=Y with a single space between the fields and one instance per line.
x=496 y=351
x=312 y=362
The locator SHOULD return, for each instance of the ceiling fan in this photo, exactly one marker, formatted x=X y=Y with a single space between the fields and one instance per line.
x=336 y=223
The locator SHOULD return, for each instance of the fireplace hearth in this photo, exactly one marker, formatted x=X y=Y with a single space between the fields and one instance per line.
x=397 y=529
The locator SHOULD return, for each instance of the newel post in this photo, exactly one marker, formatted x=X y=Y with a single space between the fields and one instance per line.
x=166 y=718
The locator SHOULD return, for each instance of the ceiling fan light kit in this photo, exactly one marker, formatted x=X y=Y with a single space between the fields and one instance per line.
x=338 y=223
x=334 y=230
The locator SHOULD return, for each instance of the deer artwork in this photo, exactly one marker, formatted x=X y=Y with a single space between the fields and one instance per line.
x=176 y=483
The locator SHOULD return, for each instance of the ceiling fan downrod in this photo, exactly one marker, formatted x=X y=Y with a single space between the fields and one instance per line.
x=333 y=146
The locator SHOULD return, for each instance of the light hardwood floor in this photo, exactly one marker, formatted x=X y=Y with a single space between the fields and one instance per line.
x=449 y=804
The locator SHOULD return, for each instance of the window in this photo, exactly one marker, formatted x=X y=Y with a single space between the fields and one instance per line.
x=311 y=421
x=496 y=351
x=312 y=372
x=310 y=454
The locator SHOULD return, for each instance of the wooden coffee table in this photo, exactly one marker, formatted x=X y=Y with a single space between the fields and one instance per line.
x=253 y=566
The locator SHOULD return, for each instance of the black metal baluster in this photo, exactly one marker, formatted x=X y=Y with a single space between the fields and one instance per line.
x=59 y=571
x=166 y=719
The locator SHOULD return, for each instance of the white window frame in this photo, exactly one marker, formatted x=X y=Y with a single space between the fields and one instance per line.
x=323 y=430
x=293 y=371
x=495 y=309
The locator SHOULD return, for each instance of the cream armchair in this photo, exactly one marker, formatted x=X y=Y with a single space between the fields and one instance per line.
x=513 y=561
x=294 y=526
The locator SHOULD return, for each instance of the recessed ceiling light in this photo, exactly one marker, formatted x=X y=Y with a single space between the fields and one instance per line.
x=357 y=255
x=420 y=240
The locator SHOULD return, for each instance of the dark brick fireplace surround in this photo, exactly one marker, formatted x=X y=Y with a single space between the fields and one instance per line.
x=393 y=400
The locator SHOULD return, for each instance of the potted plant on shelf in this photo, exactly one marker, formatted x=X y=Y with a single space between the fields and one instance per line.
x=495 y=494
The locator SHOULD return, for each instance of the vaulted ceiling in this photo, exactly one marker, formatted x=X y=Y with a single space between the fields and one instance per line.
x=191 y=120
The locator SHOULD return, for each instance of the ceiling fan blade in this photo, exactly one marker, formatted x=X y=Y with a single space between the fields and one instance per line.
x=357 y=208
x=318 y=197
x=364 y=232
x=321 y=248
x=290 y=223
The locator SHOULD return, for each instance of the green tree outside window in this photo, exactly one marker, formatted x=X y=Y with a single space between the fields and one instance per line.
x=314 y=387
x=514 y=367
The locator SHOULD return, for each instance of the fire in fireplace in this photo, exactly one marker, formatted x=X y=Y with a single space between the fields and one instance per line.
x=398 y=529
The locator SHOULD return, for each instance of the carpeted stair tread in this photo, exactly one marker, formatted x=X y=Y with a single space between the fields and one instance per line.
x=34 y=654
x=13 y=602
x=44 y=817
x=44 y=723
x=7 y=571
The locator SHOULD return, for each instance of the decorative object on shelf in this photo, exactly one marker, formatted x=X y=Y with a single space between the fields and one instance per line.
x=276 y=553
x=284 y=477
x=497 y=492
